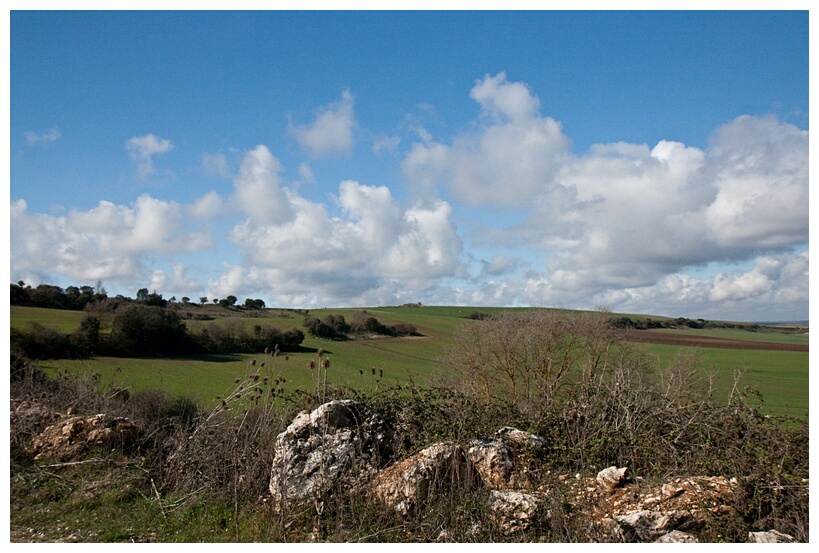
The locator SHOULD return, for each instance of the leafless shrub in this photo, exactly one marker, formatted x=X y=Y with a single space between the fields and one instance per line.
x=526 y=358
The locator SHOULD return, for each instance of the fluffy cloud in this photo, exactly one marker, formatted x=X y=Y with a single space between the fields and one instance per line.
x=331 y=133
x=142 y=150
x=33 y=138
x=107 y=242
x=295 y=249
x=632 y=215
x=759 y=168
x=621 y=216
x=774 y=288
x=208 y=206
x=511 y=159
x=177 y=279
x=623 y=225
x=258 y=190
x=498 y=265
x=346 y=258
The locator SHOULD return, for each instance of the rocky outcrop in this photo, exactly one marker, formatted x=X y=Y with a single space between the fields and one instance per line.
x=493 y=461
x=407 y=485
x=647 y=526
x=71 y=437
x=771 y=536
x=636 y=511
x=520 y=438
x=499 y=460
x=340 y=443
x=31 y=415
x=676 y=536
x=514 y=511
x=612 y=478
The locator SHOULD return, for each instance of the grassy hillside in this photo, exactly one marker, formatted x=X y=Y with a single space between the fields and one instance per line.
x=203 y=476
x=781 y=377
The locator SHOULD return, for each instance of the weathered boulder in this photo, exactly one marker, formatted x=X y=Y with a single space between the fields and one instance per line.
x=30 y=417
x=646 y=512
x=520 y=438
x=512 y=510
x=676 y=536
x=498 y=460
x=612 y=478
x=406 y=485
x=493 y=462
x=71 y=437
x=338 y=443
x=650 y=525
x=771 y=536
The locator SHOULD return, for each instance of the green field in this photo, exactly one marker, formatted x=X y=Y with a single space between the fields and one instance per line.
x=741 y=334
x=781 y=377
x=60 y=320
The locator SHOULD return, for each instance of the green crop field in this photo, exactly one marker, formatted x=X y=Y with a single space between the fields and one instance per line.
x=60 y=320
x=741 y=334
x=781 y=377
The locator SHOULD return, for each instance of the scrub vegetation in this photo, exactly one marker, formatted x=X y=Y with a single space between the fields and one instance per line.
x=199 y=470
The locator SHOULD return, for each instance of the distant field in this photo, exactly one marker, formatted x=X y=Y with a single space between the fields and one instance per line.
x=781 y=376
x=723 y=339
x=741 y=334
x=60 y=320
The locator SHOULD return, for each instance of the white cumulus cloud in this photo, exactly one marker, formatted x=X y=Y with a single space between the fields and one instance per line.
x=258 y=190
x=107 y=242
x=508 y=161
x=621 y=216
x=331 y=132
x=375 y=249
x=142 y=150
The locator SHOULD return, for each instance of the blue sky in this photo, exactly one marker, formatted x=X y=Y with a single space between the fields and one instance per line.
x=651 y=162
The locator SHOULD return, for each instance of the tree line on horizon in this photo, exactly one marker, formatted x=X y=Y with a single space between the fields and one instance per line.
x=76 y=298
x=150 y=325
x=140 y=327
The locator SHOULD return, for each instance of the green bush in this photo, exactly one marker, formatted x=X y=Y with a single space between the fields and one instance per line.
x=146 y=331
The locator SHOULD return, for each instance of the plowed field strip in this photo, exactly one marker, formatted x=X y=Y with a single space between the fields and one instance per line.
x=661 y=337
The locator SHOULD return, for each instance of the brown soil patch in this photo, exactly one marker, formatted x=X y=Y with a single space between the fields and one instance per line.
x=677 y=339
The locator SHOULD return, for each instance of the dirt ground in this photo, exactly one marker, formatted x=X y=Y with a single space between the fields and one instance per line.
x=677 y=339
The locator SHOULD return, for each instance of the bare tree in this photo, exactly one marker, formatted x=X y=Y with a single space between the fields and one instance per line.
x=525 y=357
